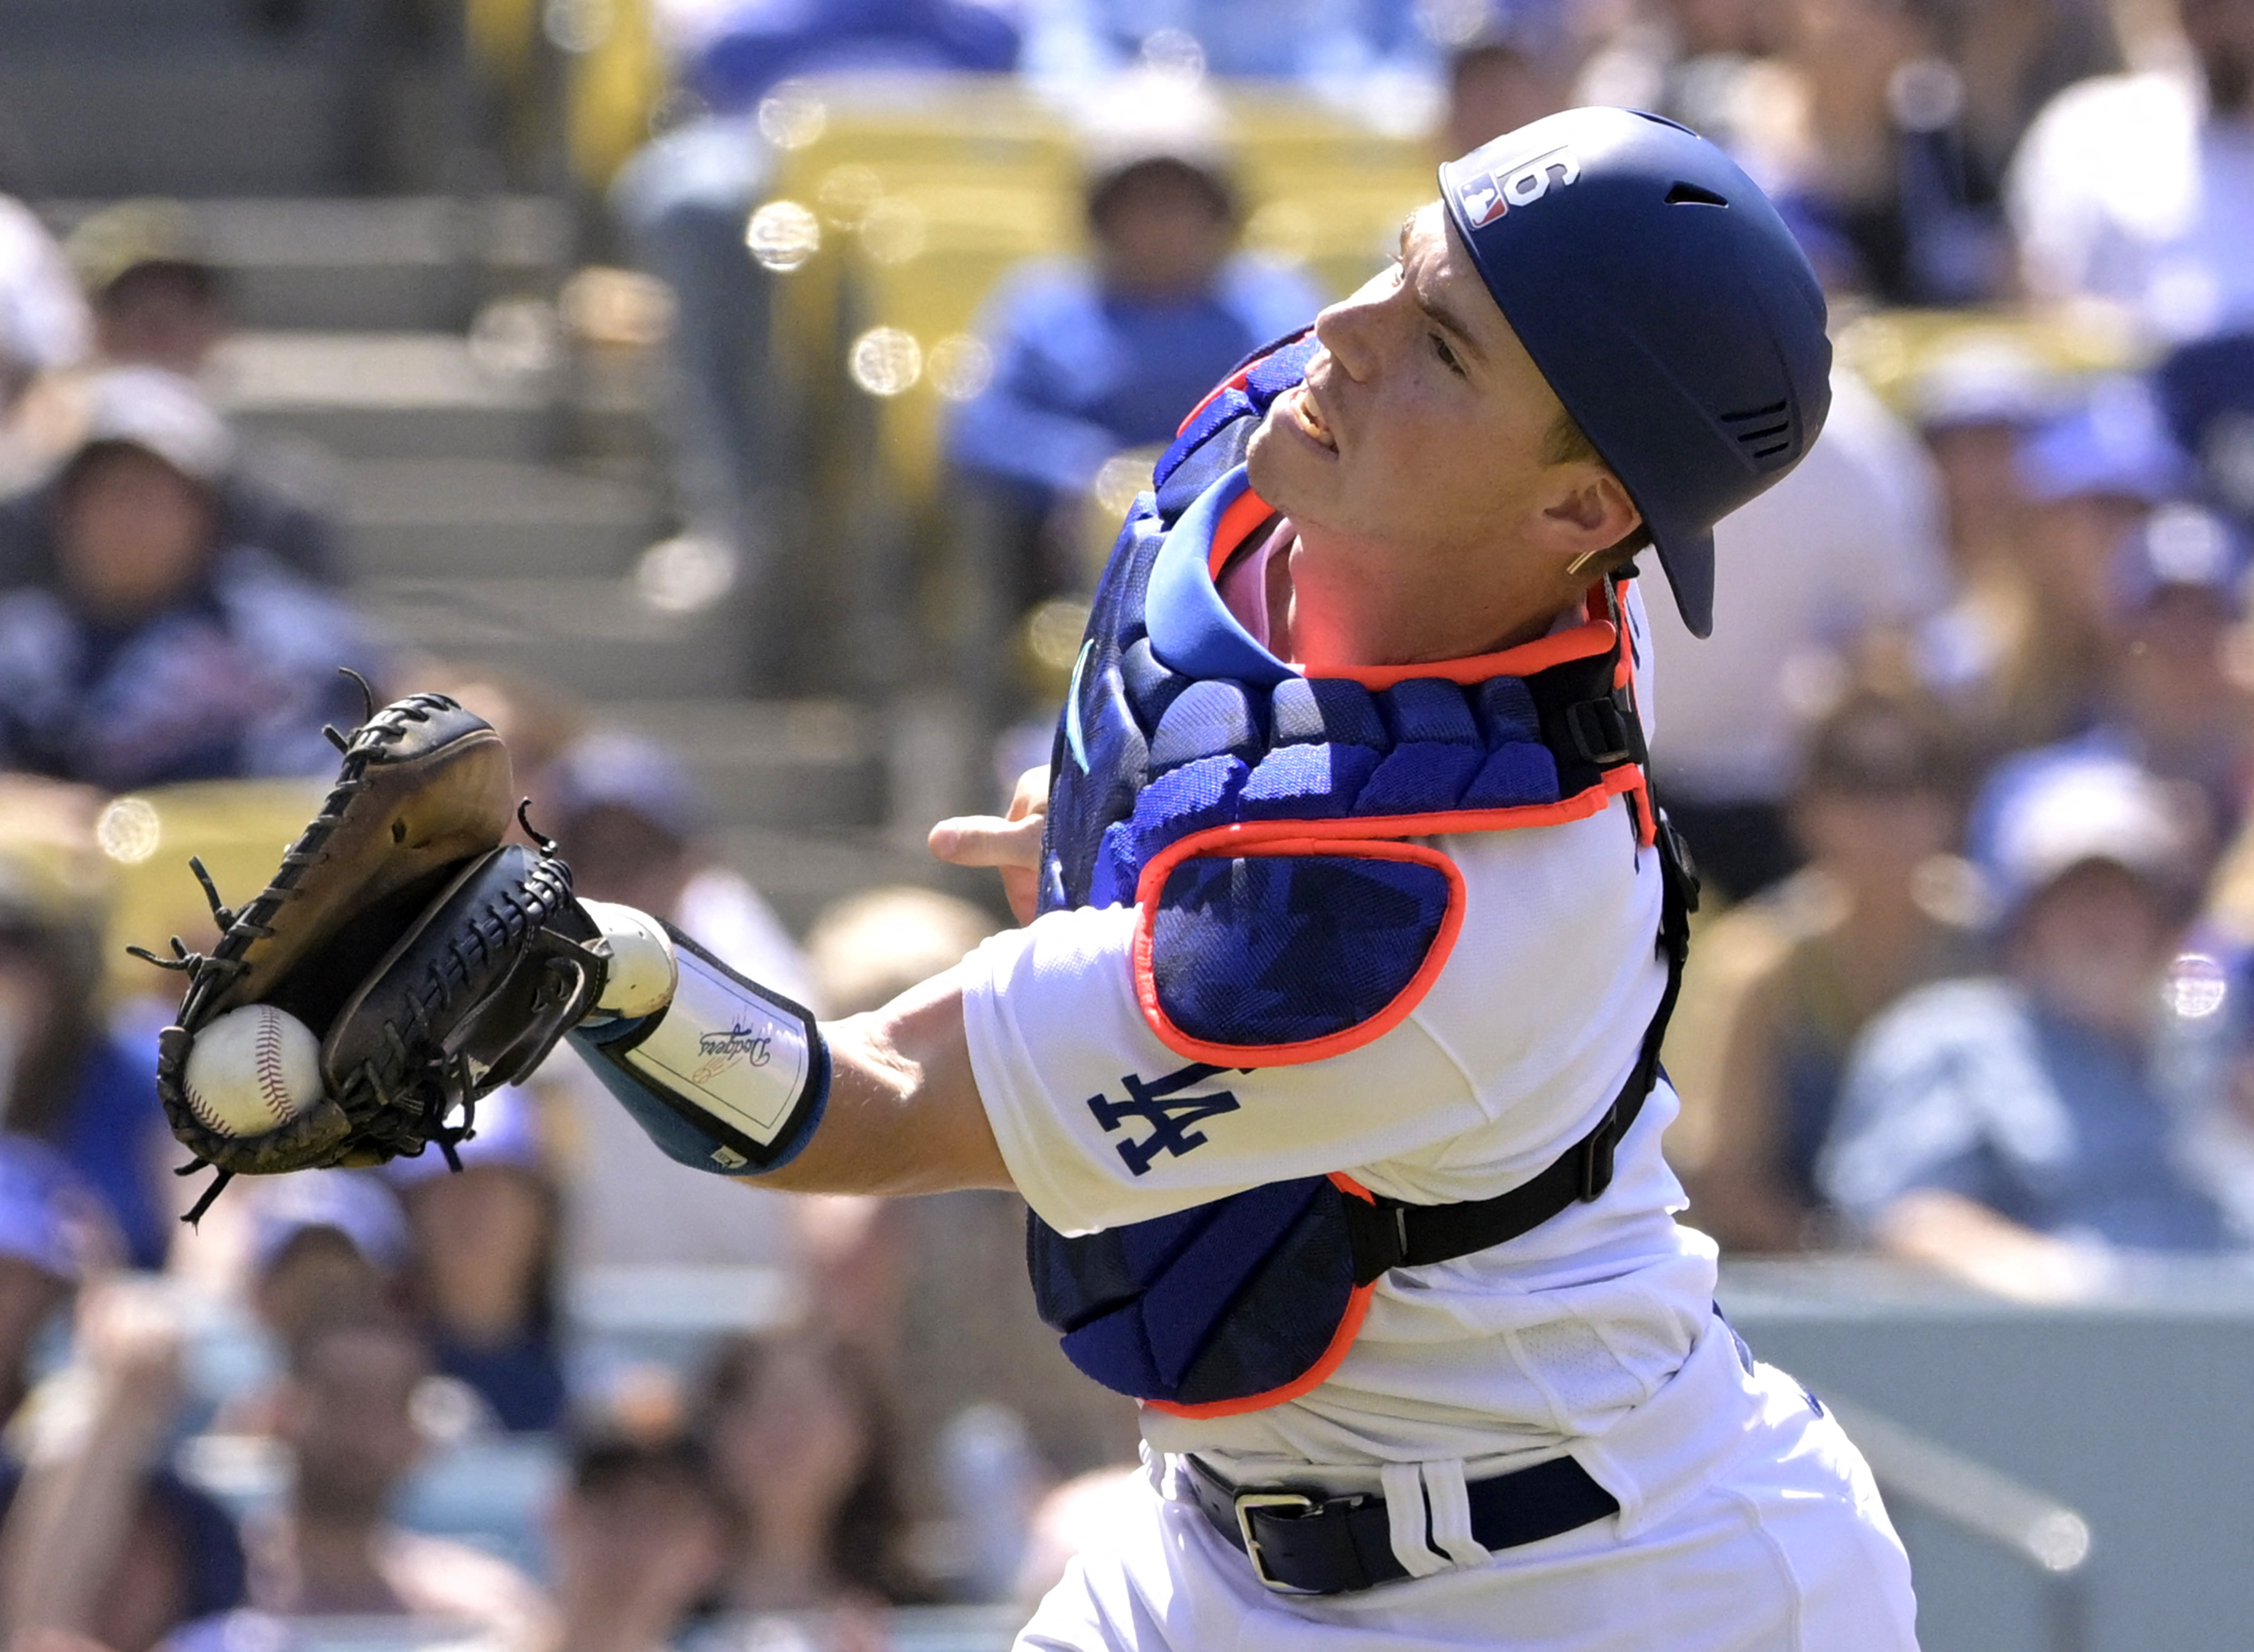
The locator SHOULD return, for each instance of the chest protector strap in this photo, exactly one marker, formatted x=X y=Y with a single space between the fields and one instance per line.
x=1387 y=1233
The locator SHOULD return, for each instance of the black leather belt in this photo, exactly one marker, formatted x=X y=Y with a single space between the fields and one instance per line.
x=1305 y=1543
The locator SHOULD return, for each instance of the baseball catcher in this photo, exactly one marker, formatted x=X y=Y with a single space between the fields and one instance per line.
x=1327 y=1054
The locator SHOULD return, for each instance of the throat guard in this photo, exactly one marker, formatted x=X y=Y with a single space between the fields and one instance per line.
x=1265 y=819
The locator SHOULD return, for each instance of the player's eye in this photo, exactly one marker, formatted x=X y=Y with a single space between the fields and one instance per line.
x=1447 y=355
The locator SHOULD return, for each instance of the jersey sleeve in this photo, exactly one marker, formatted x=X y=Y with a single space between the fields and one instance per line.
x=1102 y=1124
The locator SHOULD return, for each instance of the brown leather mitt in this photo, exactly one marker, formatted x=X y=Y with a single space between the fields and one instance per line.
x=432 y=963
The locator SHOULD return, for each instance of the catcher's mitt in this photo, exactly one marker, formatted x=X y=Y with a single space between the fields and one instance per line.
x=433 y=963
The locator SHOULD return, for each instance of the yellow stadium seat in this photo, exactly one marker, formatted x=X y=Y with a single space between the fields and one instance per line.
x=1892 y=348
x=239 y=829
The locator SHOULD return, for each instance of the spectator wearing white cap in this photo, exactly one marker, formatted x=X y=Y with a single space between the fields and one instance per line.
x=159 y=651
x=157 y=303
x=2007 y=1129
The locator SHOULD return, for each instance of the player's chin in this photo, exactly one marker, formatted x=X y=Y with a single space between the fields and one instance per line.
x=1288 y=468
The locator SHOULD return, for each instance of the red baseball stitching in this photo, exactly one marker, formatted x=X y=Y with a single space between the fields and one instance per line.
x=268 y=1055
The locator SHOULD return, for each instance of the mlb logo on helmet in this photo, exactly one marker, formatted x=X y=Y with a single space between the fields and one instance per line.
x=1489 y=195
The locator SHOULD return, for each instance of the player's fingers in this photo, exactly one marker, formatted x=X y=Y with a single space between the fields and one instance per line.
x=1032 y=796
x=1021 y=887
x=987 y=840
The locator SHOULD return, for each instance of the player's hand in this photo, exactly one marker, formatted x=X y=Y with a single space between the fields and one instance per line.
x=1010 y=845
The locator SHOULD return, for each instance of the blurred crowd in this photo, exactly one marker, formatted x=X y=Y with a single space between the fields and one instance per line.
x=1966 y=767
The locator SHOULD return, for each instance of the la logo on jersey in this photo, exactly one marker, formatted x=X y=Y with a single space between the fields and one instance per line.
x=1489 y=195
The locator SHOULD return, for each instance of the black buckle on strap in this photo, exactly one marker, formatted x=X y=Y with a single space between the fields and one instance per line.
x=1606 y=732
x=1286 y=1504
x=1596 y=1154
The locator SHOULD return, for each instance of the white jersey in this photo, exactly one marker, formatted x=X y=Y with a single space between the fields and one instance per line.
x=1528 y=1034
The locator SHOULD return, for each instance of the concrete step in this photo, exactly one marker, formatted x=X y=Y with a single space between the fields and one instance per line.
x=595 y=637
x=412 y=262
x=123 y=25
x=177 y=116
x=491 y=519
x=795 y=765
x=384 y=396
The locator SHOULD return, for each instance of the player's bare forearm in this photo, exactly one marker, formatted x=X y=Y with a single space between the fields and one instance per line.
x=903 y=1115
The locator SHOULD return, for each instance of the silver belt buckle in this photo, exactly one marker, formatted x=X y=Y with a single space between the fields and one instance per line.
x=1245 y=1502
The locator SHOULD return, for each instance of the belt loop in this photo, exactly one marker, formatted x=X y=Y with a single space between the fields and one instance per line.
x=1404 y=1485
x=1450 y=1506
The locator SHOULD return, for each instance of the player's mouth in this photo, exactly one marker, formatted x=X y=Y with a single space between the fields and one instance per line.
x=1308 y=418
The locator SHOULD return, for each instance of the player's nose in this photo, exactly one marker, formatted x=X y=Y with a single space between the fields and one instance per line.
x=1351 y=331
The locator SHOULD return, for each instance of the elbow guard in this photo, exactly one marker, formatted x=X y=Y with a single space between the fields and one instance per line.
x=722 y=1075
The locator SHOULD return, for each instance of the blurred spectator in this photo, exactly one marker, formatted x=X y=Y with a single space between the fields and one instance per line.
x=2140 y=188
x=2180 y=593
x=68 y=1079
x=325 y=1246
x=345 y=1419
x=1975 y=404
x=487 y=1248
x=1513 y=65
x=683 y=202
x=1846 y=546
x=802 y=1453
x=161 y=652
x=1890 y=171
x=638 y=1540
x=935 y=1288
x=100 y=1540
x=43 y=326
x=44 y=323
x=2207 y=390
x=632 y=824
x=2025 y=658
x=867 y=948
x=1781 y=986
x=53 y=1234
x=1883 y=127
x=1096 y=357
x=2007 y=1129
x=1323 y=43
x=157 y=305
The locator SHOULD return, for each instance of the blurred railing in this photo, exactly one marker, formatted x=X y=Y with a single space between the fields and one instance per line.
x=2039 y=1532
x=901 y=1629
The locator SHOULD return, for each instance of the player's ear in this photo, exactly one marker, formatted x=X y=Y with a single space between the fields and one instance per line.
x=1589 y=512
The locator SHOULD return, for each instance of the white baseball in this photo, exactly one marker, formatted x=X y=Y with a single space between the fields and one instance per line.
x=253 y=1069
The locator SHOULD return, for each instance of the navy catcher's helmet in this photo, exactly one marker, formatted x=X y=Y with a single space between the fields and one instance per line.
x=1667 y=306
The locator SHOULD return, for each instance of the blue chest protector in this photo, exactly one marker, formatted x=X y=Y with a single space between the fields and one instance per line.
x=1265 y=819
